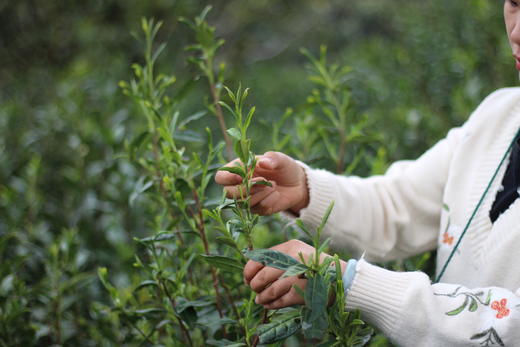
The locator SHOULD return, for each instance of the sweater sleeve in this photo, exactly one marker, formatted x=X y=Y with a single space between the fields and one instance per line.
x=391 y=216
x=413 y=312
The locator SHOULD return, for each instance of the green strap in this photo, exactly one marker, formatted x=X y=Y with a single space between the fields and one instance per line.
x=476 y=208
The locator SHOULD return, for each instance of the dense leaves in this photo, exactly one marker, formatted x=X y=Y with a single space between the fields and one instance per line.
x=78 y=176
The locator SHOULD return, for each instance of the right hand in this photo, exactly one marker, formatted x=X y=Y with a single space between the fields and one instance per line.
x=289 y=184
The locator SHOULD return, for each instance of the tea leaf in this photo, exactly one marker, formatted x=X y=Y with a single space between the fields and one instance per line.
x=234 y=133
x=272 y=258
x=223 y=262
x=315 y=320
x=295 y=270
x=280 y=329
x=263 y=183
x=147 y=283
x=237 y=170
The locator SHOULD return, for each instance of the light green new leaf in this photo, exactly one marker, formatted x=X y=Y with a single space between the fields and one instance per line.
x=234 y=133
x=237 y=170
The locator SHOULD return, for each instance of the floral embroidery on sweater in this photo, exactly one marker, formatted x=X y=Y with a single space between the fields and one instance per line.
x=500 y=306
x=471 y=300
x=488 y=338
x=447 y=239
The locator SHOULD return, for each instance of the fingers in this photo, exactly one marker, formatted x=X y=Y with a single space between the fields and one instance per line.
x=250 y=270
x=266 y=205
x=260 y=192
x=282 y=293
x=291 y=298
x=238 y=191
x=264 y=277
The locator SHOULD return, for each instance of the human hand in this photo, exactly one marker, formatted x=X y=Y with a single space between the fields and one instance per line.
x=289 y=185
x=275 y=292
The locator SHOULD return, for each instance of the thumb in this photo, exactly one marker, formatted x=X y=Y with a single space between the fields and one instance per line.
x=271 y=160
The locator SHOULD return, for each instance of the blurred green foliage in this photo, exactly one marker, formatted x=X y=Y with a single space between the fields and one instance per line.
x=418 y=68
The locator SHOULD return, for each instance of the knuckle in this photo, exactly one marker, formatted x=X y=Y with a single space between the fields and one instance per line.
x=258 y=282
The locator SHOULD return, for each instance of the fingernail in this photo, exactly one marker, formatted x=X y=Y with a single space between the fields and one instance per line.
x=266 y=163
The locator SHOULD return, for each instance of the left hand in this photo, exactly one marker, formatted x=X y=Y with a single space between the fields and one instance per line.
x=275 y=292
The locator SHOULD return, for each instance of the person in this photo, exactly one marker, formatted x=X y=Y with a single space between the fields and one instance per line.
x=460 y=197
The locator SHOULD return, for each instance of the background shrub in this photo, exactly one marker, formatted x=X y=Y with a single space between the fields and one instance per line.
x=72 y=199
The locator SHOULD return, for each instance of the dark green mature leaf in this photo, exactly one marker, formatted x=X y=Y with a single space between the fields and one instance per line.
x=281 y=328
x=223 y=262
x=315 y=320
x=147 y=283
x=224 y=343
x=272 y=258
x=151 y=310
x=162 y=236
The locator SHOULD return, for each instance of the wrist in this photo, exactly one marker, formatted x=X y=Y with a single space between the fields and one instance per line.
x=303 y=196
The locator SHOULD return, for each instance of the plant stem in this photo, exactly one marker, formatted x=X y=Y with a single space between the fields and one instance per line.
x=172 y=302
x=162 y=189
x=220 y=117
x=204 y=239
x=264 y=321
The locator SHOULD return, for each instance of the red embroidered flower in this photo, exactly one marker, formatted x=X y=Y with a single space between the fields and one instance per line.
x=447 y=239
x=503 y=311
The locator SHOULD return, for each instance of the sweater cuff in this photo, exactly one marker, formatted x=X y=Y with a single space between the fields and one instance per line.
x=321 y=194
x=378 y=293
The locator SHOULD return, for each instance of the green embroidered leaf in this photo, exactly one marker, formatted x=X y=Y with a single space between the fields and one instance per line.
x=271 y=258
x=223 y=262
x=279 y=329
x=488 y=298
x=459 y=309
x=473 y=306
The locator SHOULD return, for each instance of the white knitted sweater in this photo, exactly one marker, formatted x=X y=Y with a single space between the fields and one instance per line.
x=422 y=205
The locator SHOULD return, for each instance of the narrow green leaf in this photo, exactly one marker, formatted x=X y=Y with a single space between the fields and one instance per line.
x=326 y=216
x=303 y=228
x=147 y=283
x=295 y=270
x=237 y=170
x=234 y=133
x=223 y=262
x=263 y=183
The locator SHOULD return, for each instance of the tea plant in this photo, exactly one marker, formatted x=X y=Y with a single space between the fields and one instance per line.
x=188 y=287
x=333 y=326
